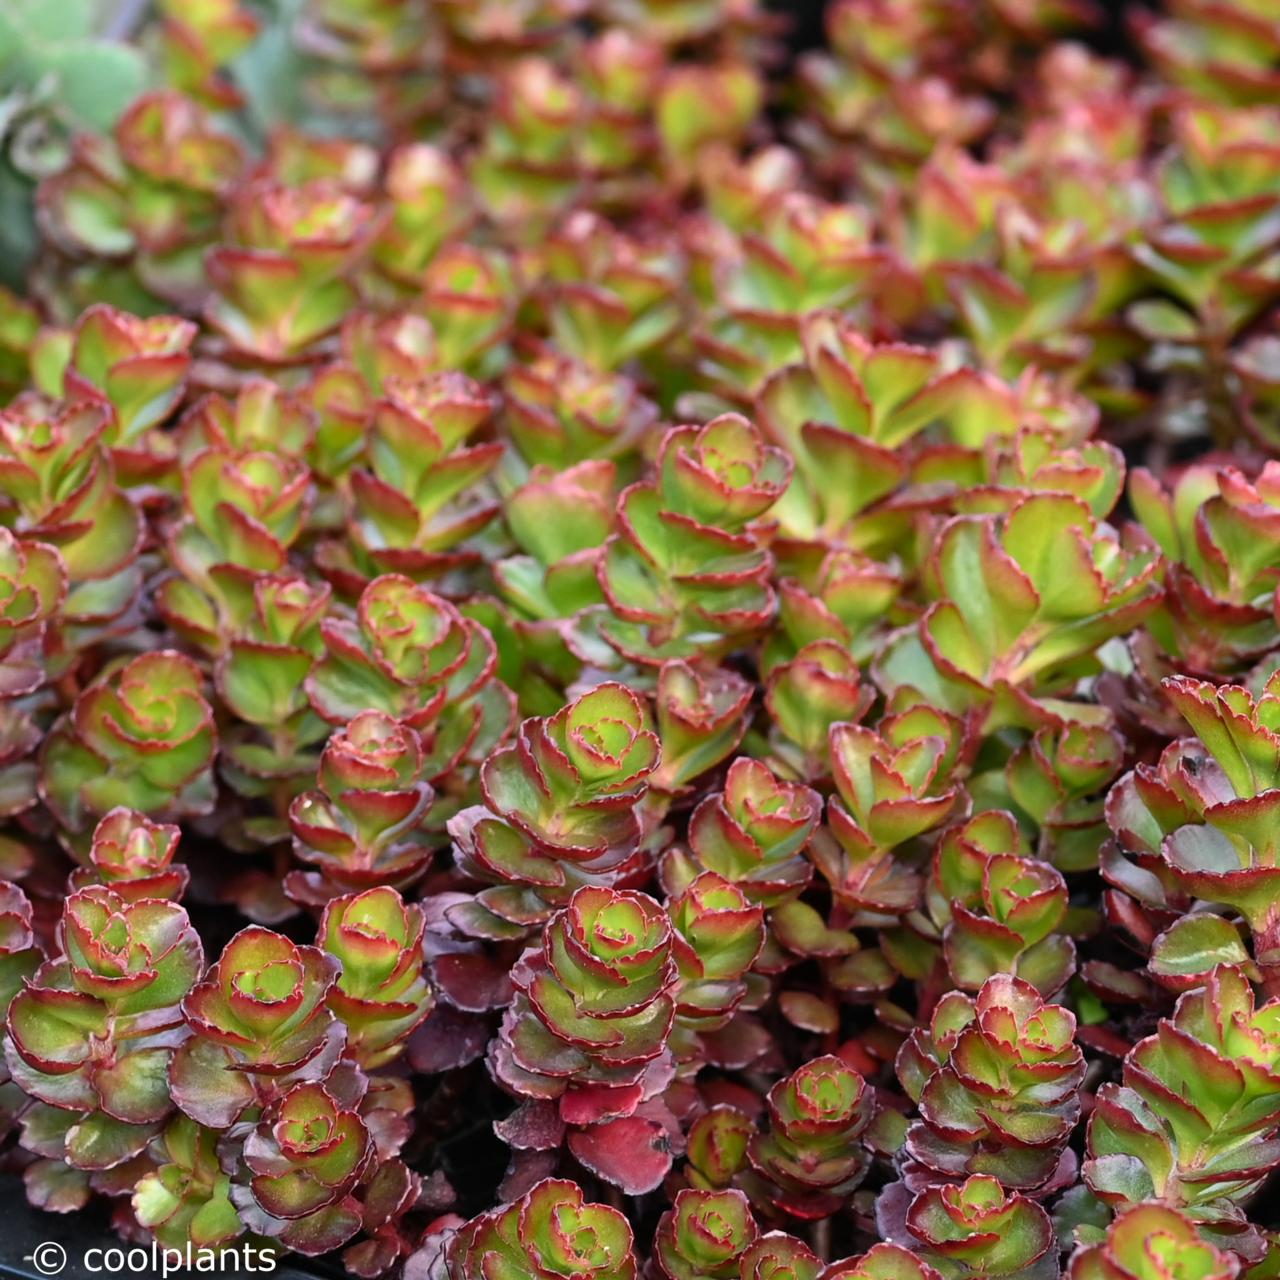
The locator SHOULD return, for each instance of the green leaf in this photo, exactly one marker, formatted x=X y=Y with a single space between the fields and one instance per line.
x=96 y=80
x=1196 y=944
x=54 y=20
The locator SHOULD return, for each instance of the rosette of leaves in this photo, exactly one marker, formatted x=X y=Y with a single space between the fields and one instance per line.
x=1031 y=306
x=813 y=1154
x=1215 y=247
x=527 y=167
x=242 y=509
x=974 y=1228
x=411 y=655
x=562 y=809
x=92 y=1032
x=866 y=89
x=267 y=639
x=621 y=71
x=1019 y=604
x=1220 y=532
x=833 y=594
x=893 y=787
x=133 y=856
x=304 y=1158
x=821 y=686
x=373 y=347
x=997 y=909
x=136 y=367
x=259 y=1022
x=798 y=255
x=752 y=833
x=150 y=195
x=717 y=935
x=704 y=1235
x=560 y=411
x=1230 y=855
x=281 y=281
x=549 y=1232
x=1058 y=779
x=687 y=575
x=701 y=716
x=1151 y=1240
x=362 y=826
x=802 y=255
x=469 y=296
x=775 y=1255
x=1049 y=457
x=1195 y=1121
x=610 y=297
x=844 y=415
x=382 y=994
x=58 y=484
x=593 y=1009
x=197 y=42
x=141 y=736
x=1218 y=53
x=997 y=1081
x=262 y=416
x=429 y=204
x=1147 y=900
x=717 y=1147
x=419 y=496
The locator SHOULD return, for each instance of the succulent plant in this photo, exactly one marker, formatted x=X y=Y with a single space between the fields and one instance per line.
x=687 y=575
x=304 y=1158
x=976 y=1228
x=999 y=911
x=704 y=1233
x=813 y=1153
x=594 y=1006
x=892 y=788
x=753 y=834
x=717 y=936
x=187 y=1195
x=259 y=1020
x=561 y=805
x=997 y=1081
x=280 y=283
x=549 y=1231
x=141 y=736
x=362 y=826
x=1013 y=610
x=1208 y=1149
x=93 y=1031
x=412 y=656
x=133 y=856
x=1152 y=1239
x=381 y=995
x=684 y=608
